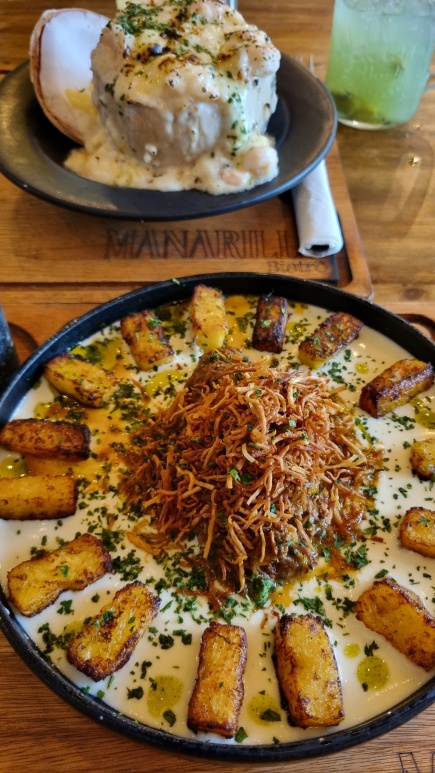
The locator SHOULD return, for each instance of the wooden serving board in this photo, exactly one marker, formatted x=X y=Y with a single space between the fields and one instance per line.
x=52 y=245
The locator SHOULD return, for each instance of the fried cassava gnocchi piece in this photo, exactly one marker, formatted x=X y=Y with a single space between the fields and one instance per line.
x=307 y=672
x=217 y=697
x=85 y=382
x=396 y=386
x=417 y=531
x=37 y=497
x=209 y=321
x=332 y=335
x=107 y=640
x=270 y=324
x=37 y=583
x=423 y=458
x=50 y=439
x=398 y=614
x=148 y=342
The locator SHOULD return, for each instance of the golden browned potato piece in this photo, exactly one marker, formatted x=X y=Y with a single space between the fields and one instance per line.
x=270 y=324
x=396 y=386
x=307 y=672
x=417 y=531
x=51 y=439
x=85 y=382
x=217 y=697
x=107 y=641
x=209 y=319
x=332 y=335
x=148 y=342
x=37 y=497
x=398 y=614
x=35 y=584
x=423 y=458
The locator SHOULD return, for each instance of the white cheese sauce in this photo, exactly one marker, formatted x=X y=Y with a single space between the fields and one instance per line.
x=184 y=92
x=155 y=685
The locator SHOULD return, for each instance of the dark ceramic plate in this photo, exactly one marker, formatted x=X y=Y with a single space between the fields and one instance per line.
x=318 y=294
x=32 y=153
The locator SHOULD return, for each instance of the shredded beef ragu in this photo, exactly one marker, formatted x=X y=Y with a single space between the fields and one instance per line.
x=263 y=465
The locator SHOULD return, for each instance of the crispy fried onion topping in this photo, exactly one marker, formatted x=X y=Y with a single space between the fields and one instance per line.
x=262 y=465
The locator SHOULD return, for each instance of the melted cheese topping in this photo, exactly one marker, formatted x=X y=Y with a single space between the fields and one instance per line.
x=184 y=91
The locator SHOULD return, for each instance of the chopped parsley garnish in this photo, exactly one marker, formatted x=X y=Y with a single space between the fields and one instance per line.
x=241 y=735
x=128 y=567
x=135 y=692
x=270 y=716
x=170 y=717
x=314 y=605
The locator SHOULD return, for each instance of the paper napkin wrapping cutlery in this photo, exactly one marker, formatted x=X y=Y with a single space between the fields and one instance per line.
x=316 y=217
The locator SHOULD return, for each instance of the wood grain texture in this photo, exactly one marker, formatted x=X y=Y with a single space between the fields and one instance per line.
x=260 y=238
x=53 y=268
x=43 y=734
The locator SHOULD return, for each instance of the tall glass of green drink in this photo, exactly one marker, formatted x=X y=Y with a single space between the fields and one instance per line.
x=379 y=60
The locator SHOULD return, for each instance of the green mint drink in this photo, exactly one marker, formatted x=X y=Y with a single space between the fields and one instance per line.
x=379 y=60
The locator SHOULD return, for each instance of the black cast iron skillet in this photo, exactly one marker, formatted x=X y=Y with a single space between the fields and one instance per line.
x=303 y=291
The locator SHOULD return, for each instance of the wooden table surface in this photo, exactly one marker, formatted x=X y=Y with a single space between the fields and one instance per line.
x=52 y=268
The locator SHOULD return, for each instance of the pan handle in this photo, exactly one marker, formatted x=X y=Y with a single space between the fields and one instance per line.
x=9 y=361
